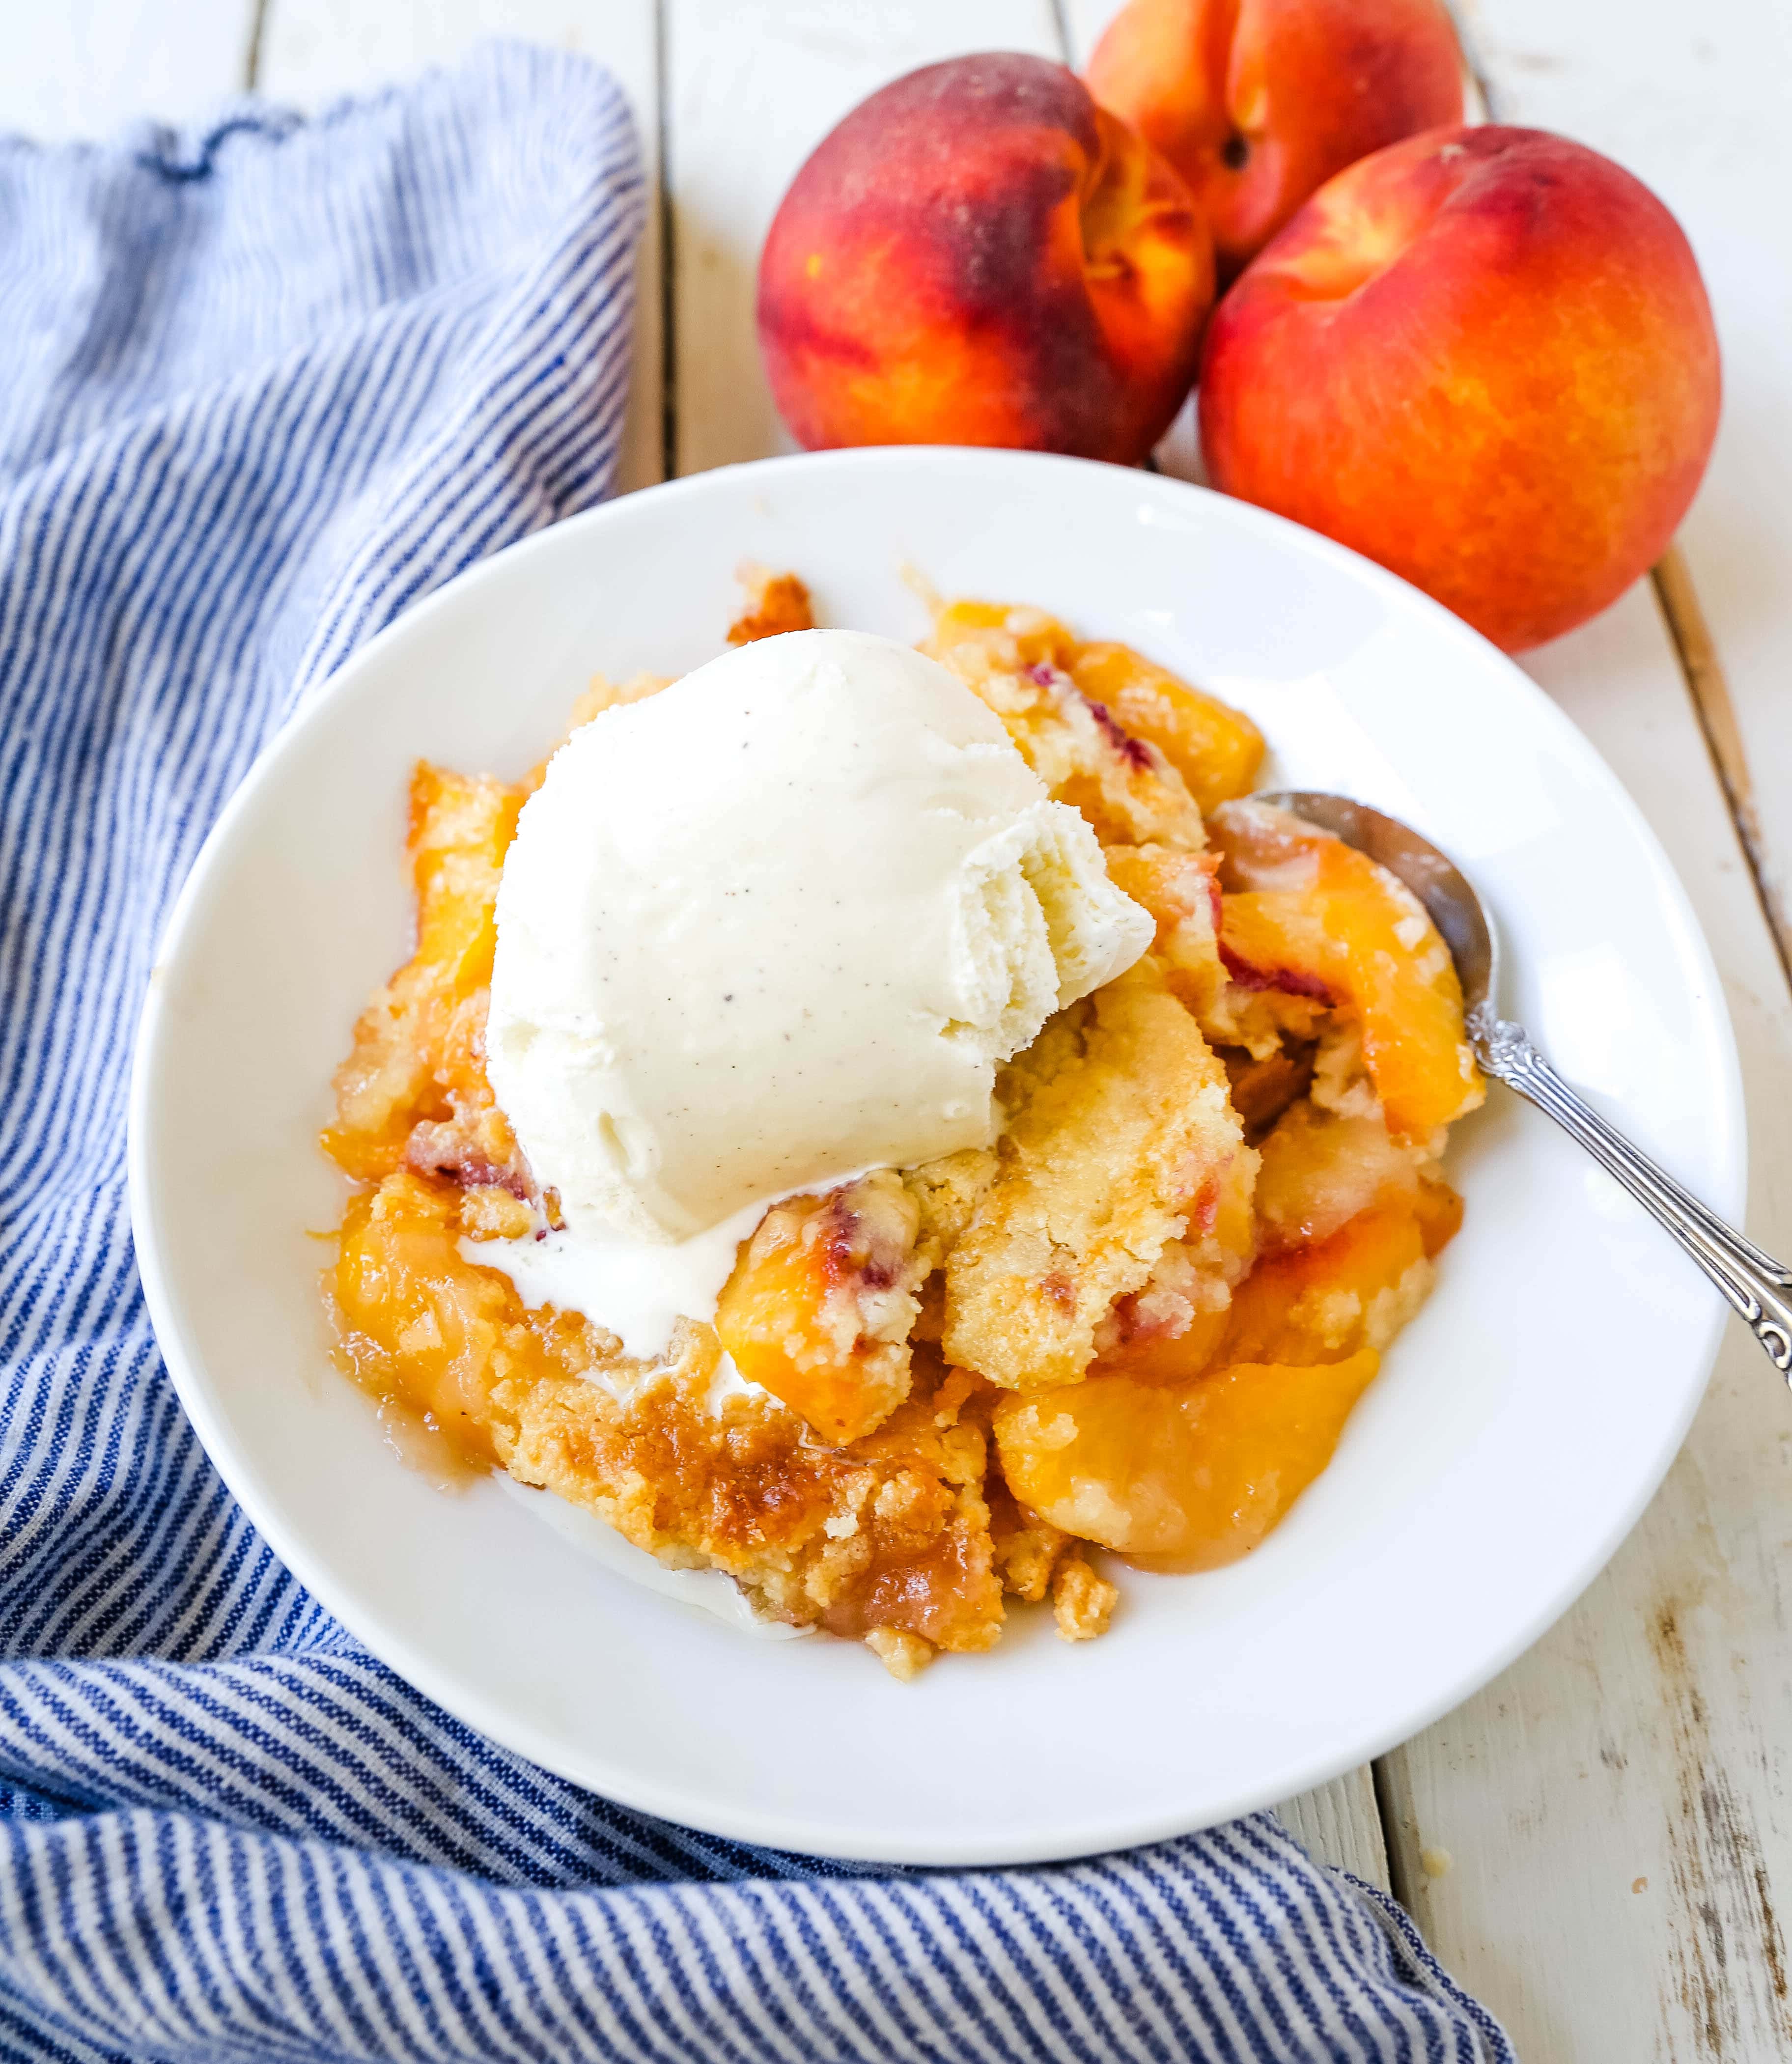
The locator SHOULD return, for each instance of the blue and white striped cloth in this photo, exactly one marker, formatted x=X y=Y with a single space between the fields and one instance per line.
x=259 y=389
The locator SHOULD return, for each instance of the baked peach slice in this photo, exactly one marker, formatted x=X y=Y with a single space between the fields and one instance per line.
x=1214 y=747
x=428 y=1333
x=820 y=1305
x=1019 y=661
x=1348 y=1226
x=1186 y=1475
x=1010 y=638
x=1305 y=912
x=411 y=1046
x=1186 y=1446
x=1319 y=1168
x=1159 y=1353
x=1356 y=1289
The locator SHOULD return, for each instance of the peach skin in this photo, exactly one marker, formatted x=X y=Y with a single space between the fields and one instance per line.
x=1257 y=103
x=978 y=254
x=1482 y=357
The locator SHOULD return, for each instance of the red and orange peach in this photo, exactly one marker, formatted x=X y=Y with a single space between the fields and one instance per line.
x=979 y=254
x=1257 y=103
x=1484 y=356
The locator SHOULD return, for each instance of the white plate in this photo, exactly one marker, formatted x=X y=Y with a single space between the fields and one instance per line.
x=1519 y=1427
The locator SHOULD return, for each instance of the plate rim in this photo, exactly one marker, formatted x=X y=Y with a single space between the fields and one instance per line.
x=747 y=1823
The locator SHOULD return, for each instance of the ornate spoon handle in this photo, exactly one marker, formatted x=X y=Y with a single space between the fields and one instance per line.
x=1758 y=1288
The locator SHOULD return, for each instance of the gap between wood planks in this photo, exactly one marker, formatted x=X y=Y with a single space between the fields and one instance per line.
x=1697 y=653
x=668 y=251
x=252 y=57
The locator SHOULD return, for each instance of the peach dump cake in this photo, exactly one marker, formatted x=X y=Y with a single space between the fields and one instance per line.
x=882 y=1123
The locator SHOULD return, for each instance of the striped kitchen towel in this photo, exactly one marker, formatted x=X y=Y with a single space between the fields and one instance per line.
x=259 y=388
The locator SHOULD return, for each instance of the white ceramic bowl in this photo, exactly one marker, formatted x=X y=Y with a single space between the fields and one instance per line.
x=1516 y=1432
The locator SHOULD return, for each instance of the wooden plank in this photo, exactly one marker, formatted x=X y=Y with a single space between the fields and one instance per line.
x=1693 y=100
x=1710 y=688
x=314 y=51
x=751 y=90
x=85 y=68
x=1601 y=1842
x=1340 y=1822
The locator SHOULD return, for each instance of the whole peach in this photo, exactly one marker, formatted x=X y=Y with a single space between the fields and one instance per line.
x=978 y=254
x=1482 y=357
x=1257 y=103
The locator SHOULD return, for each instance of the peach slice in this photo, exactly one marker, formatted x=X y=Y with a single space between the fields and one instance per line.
x=1328 y=1301
x=1307 y=914
x=415 y=1052
x=1214 y=747
x=776 y=603
x=1013 y=640
x=1190 y=1475
x=423 y=1330
x=820 y=1305
x=1319 y=1170
x=1150 y=1356
x=461 y=829
x=1019 y=661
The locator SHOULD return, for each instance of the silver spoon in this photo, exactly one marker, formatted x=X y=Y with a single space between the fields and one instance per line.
x=1754 y=1284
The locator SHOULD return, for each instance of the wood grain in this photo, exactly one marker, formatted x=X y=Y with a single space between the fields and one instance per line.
x=314 y=51
x=86 y=68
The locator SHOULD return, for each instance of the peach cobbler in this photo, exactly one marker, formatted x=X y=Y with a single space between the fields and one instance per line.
x=1135 y=1319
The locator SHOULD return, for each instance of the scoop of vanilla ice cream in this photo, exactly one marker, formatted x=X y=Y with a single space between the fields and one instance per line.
x=779 y=923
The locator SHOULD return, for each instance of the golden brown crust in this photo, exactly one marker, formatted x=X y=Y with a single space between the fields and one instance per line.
x=1028 y=1548
x=890 y=1531
x=1119 y=1132
x=776 y=603
x=1081 y=1602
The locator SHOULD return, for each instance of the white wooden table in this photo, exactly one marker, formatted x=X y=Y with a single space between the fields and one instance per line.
x=1597 y=1843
